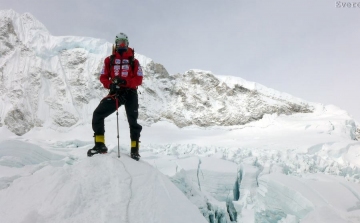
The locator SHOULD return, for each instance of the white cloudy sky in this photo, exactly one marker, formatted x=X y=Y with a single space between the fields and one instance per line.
x=308 y=48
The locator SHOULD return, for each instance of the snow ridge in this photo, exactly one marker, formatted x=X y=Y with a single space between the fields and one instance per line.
x=131 y=192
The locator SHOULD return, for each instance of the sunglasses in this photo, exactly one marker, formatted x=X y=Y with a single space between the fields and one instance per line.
x=121 y=42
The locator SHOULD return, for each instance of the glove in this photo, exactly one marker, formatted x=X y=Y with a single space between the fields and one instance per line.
x=114 y=87
x=118 y=80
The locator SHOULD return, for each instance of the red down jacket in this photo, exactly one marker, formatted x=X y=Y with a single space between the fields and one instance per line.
x=121 y=67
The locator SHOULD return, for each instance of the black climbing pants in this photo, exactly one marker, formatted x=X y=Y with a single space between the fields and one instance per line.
x=107 y=106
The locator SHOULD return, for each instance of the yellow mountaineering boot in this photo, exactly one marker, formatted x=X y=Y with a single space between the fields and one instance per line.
x=135 y=150
x=99 y=146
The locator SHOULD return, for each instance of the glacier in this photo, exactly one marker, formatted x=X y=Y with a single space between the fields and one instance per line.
x=237 y=150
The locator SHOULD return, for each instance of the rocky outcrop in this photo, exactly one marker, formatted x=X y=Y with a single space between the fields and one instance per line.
x=200 y=98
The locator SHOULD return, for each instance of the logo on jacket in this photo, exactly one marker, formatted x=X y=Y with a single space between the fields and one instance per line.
x=116 y=70
x=140 y=73
x=124 y=73
x=117 y=61
x=103 y=70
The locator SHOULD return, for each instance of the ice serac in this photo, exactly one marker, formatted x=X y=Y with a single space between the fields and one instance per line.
x=209 y=184
x=212 y=210
x=52 y=81
x=312 y=198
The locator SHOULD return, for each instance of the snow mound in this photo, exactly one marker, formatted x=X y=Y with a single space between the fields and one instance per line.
x=98 y=189
x=17 y=154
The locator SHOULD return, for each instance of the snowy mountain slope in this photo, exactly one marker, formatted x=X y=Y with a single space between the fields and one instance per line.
x=49 y=81
x=101 y=189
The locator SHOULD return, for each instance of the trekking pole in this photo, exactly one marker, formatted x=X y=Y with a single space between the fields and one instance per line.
x=117 y=122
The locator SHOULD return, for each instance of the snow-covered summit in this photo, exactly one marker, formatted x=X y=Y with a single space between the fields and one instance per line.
x=30 y=32
x=49 y=81
x=28 y=28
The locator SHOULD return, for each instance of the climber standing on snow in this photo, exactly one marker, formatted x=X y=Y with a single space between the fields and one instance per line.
x=121 y=74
